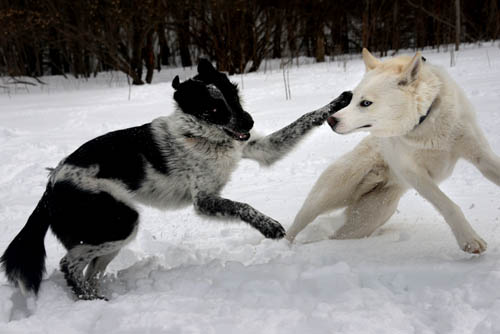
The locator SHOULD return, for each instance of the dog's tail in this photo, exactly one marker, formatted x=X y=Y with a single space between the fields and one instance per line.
x=24 y=259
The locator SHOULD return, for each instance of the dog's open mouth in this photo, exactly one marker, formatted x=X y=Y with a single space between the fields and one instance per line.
x=332 y=121
x=242 y=136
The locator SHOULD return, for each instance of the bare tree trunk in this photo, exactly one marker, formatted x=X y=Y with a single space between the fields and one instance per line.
x=164 y=49
x=420 y=27
x=55 y=61
x=395 y=26
x=366 y=24
x=320 y=45
x=277 y=36
x=149 y=57
x=136 y=61
x=183 y=37
x=457 y=25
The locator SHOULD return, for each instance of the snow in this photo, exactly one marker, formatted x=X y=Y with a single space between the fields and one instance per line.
x=188 y=274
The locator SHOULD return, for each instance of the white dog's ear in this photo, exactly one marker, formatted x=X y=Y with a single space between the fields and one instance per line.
x=370 y=61
x=411 y=71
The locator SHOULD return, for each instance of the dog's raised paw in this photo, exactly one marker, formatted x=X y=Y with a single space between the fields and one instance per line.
x=340 y=102
x=476 y=246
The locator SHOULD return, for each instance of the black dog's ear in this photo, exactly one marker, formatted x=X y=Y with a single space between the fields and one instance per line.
x=176 y=82
x=205 y=67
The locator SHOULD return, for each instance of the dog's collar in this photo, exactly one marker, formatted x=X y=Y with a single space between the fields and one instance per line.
x=422 y=118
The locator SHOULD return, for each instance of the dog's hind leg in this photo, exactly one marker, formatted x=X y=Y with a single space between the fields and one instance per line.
x=96 y=258
x=72 y=266
x=97 y=266
x=369 y=212
x=91 y=226
x=339 y=185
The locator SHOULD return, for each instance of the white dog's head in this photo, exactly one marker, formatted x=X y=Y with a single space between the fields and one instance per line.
x=390 y=99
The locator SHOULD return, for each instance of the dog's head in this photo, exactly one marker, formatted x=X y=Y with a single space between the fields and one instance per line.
x=389 y=100
x=213 y=99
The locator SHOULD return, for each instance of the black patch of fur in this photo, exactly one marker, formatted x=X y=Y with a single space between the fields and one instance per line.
x=121 y=155
x=209 y=75
x=193 y=98
x=81 y=217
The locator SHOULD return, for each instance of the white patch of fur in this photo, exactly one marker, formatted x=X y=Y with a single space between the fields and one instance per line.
x=86 y=179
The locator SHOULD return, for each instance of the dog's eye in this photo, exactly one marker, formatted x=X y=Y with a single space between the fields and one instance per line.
x=365 y=103
x=213 y=111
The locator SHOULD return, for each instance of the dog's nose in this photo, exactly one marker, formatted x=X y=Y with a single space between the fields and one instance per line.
x=247 y=121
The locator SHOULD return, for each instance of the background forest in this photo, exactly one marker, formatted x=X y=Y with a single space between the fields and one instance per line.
x=84 y=37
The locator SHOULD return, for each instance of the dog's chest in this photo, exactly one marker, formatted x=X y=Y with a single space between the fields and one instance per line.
x=188 y=170
x=438 y=163
x=213 y=170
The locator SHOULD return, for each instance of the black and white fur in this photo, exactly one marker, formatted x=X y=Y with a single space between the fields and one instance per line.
x=174 y=161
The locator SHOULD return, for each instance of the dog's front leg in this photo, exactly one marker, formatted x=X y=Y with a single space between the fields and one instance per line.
x=269 y=149
x=466 y=237
x=216 y=206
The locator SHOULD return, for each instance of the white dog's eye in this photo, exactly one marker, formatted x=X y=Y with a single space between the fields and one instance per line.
x=365 y=103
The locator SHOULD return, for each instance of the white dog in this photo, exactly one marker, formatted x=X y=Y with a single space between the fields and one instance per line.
x=421 y=123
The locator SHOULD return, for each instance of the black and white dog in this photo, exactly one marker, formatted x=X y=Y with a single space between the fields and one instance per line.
x=173 y=161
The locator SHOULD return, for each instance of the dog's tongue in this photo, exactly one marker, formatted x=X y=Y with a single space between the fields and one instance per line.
x=243 y=136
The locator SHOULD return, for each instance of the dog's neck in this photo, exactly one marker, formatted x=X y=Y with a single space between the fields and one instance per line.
x=422 y=118
x=430 y=135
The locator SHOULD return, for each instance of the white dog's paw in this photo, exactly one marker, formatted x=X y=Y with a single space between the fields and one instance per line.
x=475 y=245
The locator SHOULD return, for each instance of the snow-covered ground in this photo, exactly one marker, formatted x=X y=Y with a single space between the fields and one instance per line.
x=188 y=274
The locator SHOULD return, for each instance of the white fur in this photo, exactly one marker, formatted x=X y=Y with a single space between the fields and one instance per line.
x=400 y=153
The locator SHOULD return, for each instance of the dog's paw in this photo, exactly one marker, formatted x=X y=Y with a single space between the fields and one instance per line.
x=271 y=229
x=340 y=102
x=319 y=116
x=474 y=246
x=91 y=296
